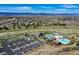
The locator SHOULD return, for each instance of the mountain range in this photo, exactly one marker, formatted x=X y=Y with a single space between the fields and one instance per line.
x=20 y=14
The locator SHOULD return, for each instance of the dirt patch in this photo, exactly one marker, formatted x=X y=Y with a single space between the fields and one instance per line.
x=54 y=50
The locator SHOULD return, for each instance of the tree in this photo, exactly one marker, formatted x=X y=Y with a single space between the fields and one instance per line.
x=6 y=28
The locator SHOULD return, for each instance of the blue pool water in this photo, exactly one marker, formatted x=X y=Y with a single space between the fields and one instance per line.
x=64 y=41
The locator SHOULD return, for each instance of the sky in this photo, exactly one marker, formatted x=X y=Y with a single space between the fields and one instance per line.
x=39 y=8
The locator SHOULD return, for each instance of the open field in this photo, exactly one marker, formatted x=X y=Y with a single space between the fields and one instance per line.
x=62 y=30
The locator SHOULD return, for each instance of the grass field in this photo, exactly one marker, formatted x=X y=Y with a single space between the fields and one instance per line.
x=65 y=30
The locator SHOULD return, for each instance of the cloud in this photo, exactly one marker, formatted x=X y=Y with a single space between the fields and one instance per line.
x=77 y=10
x=64 y=10
x=4 y=11
x=45 y=7
x=23 y=8
x=15 y=9
x=60 y=10
x=70 y=6
x=53 y=11
x=41 y=9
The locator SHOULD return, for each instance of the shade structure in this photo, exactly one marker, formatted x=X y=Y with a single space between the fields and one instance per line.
x=49 y=36
x=20 y=46
x=52 y=36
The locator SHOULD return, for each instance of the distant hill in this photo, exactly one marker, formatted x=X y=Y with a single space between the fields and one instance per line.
x=17 y=14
